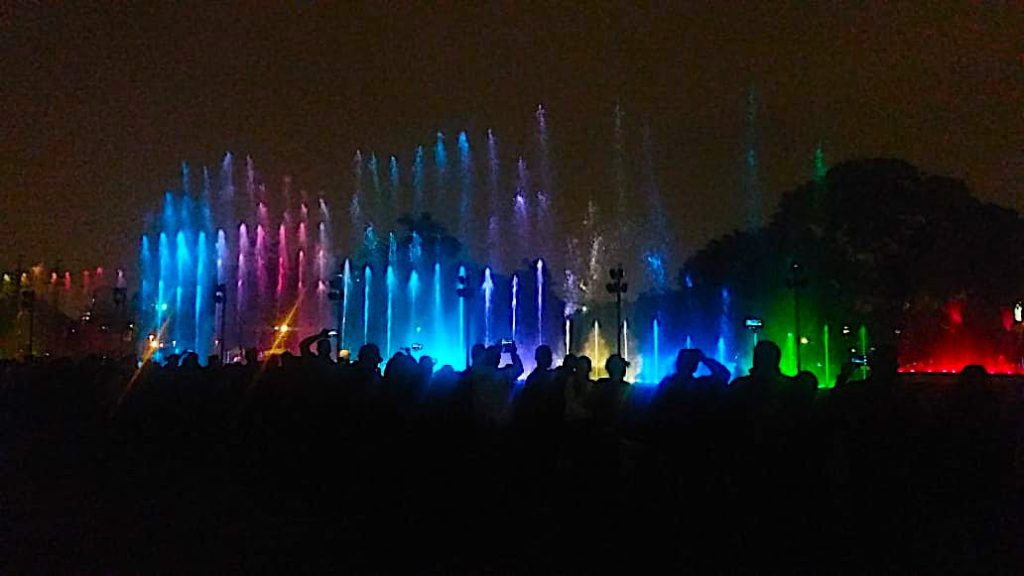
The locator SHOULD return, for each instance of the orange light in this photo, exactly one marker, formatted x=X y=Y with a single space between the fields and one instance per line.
x=283 y=328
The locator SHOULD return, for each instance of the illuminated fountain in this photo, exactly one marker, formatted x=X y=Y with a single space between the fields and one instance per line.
x=277 y=284
x=378 y=270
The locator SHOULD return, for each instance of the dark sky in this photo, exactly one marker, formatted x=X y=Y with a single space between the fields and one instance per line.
x=99 y=105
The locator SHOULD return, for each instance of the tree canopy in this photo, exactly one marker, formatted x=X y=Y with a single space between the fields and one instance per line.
x=880 y=243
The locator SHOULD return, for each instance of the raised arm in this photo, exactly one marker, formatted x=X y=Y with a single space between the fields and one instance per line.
x=306 y=346
x=514 y=370
x=845 y=373
x=718 y=370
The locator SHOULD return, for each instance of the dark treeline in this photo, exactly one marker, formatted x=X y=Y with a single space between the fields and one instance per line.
x=301 y=464
x=884 y=244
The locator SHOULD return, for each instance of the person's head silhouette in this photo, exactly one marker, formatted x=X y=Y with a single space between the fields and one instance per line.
x=687 y=361
x=543 y=357
x=323 y=348
x=492 y=356
x=766 y=358
x=616 y=367
x=476 y=353
x=807 y=381
x=973 y=375
x=370 y=354
x=426 y=365
x=584 y=366
x=189 y=360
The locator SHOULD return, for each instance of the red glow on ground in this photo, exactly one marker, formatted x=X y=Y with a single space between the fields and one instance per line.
x=953 y=363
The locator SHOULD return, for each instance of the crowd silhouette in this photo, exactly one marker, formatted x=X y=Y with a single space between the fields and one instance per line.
x=306 y=463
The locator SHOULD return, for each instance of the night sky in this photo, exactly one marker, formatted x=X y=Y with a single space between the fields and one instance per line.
x=99 y=105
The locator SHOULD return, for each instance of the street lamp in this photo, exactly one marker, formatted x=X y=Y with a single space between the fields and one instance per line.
x=336 y=294
x=28 y=303
x=464 y=293
x=617 y=287
x=220 y=298
x=795 y=282
x=120 y=296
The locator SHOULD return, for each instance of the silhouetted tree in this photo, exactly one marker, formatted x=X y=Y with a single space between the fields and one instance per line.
x=884 y=244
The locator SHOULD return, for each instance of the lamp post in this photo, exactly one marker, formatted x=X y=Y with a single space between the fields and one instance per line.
x=463 y=292
x=795 y=282
x=220 y=298
x=336 y=294
x=28 y=303
x=617 y=287
x=120 y=295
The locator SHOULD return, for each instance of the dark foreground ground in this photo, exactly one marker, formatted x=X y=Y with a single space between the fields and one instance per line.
x=296 y=472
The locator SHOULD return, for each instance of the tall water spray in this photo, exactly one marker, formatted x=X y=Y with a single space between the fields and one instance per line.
x=520 y=207
x=394 y=185
x=752 y=180
x=440 y=335
x=724 y=327
x=545 y=228
x=390 y=282
x=463 y=344
x=465 y=188
x=656 y=337
x=441 y=169
x=494 y=206
x=356 y=215
x=346 y=274
x=367 y=294
x=488 y=289
x=540 y=302
x=515 y=307
x=413 y=291
x=417 y=182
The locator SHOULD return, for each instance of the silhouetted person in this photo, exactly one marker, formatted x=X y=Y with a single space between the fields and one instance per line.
x=974 y=469
x=322 y=340
x=684 y=398
x=687 y=362
x=765 y=374
x=577 y=386
x=582 y=383
x=426 y=367
x=490 y=387
x=172 y=361
x=806 y=386
x=542 y=399
x=366 y=368
x=609 y=395
x=477 y=355
x=544 y=359
x=402 y=375
x=871 y=419
x=566 y=370
x=189 y=361
x=753 y=427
